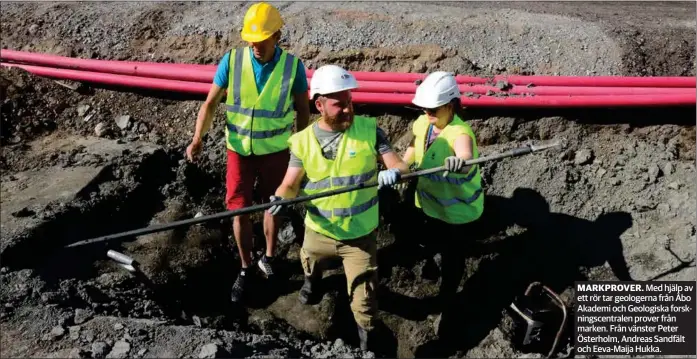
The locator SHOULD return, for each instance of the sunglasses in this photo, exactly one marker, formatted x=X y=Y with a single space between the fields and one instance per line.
x=432 y=111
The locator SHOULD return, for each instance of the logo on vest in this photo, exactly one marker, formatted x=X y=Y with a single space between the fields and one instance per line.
x=352 y=153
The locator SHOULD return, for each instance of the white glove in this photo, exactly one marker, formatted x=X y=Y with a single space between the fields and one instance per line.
x=388 y=177
x=276 y=209
x=453 y=164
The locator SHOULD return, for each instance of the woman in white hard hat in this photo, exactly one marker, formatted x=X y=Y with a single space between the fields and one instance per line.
x=448 y=201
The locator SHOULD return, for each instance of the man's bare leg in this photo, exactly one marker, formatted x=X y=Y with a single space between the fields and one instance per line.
x=242 y=230
x=271 y=225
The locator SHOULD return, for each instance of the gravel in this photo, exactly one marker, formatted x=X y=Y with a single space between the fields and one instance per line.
x=463 y=37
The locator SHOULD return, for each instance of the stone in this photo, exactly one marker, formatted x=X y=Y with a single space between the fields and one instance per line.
x=583 y=157
x=81 y=316
x=286 y=234
x=74 y=332
x=101 y=129
x=99 y=349
x=668 y=168
x=615 y=181
x=663 y=208
x=338 y=343
x=674 y=185
x=123 y=121
x=88 y=335
x=654 y=173
x=57 y=332
x=313 y=319
x=208 y=351
x=120 y=350
x=82 y=110
x=118 y=326
x=601 y=172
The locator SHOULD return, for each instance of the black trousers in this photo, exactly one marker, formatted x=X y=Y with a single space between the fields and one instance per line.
x=451 y=242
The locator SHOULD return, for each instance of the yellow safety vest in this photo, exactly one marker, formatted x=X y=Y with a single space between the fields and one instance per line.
x=347 y=215
x=259 y=123
x=457 y=198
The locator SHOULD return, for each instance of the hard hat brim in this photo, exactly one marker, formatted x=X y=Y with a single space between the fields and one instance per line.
x=317 y=92
x=429 y=106
x=255 y=37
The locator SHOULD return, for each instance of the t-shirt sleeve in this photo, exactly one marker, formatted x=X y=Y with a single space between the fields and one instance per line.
x=294 y=160
x=382 y=145
x=300 y=82
x=222 y=73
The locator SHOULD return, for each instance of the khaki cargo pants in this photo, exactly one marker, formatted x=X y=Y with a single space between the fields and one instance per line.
x=359 y=258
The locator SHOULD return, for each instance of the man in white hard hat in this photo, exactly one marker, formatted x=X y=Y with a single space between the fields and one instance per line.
x=340 y=150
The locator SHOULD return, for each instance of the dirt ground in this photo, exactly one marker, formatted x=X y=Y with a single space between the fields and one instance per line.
x=616 y=203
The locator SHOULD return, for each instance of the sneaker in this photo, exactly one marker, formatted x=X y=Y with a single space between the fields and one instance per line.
x=265 y=266
x=238 y=289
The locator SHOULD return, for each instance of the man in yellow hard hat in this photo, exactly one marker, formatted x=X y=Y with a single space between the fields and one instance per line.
x=264 y=84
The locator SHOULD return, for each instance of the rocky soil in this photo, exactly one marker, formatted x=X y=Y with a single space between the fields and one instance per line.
x=617 y=202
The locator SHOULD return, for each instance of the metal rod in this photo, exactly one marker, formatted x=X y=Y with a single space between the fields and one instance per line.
x=120 y=257
x=260 y=207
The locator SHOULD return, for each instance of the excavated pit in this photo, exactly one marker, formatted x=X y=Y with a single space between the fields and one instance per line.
x=189 y=271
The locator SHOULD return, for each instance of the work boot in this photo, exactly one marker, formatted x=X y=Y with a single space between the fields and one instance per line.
x=238 y=289
x=308 y=292
x=265 y=264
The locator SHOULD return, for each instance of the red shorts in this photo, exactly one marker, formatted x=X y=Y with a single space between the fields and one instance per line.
x=242 y=171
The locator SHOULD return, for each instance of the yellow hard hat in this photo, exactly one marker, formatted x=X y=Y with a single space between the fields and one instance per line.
x=261 y=21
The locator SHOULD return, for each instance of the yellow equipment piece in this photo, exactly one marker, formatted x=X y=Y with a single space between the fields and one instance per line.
x=261 y=21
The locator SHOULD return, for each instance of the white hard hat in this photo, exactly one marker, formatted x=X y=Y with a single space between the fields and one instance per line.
x=330 y=79
x=437 y=89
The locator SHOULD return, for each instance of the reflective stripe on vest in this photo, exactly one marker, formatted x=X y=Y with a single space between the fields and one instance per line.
x=454 y=199
x=259 y=123
x=346 y=215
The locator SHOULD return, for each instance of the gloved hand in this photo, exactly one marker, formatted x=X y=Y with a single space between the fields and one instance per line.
x=388 y=177
x=276 y=209
x=453 y=164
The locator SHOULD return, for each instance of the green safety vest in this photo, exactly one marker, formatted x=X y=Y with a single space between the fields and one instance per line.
x=259 y=123
x=347 y=215
x=457 y=198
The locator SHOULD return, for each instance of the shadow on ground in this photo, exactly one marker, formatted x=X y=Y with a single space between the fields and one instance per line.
x=552 y=248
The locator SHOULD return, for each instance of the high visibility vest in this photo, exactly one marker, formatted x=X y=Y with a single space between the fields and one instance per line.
x=346 y=215
x=457 y=198
x=259 y=123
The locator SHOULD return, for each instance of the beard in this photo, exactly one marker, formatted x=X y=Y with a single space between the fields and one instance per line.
x=340 y=122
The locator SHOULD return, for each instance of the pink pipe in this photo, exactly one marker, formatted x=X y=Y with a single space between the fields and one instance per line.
x=204 y=73
x=687 y=98
x=117 y=80
x=405 y=87
x=196 y=73
x=131 y=68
